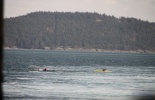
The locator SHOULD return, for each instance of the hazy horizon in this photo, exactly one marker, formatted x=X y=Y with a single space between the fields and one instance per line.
x=140 y=9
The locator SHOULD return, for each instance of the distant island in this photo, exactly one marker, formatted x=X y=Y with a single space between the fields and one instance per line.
x=78 y=31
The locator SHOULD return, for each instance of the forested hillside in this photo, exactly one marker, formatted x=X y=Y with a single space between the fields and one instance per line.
x=39 y=30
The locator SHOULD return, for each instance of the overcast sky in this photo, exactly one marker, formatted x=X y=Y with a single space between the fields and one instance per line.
x=141 y=9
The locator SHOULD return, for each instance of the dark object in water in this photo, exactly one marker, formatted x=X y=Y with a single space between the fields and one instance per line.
x=45 y=69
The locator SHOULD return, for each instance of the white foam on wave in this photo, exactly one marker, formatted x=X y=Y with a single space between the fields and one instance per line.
x=23 y=78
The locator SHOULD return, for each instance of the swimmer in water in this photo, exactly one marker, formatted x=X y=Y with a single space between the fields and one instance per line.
x=45 y=69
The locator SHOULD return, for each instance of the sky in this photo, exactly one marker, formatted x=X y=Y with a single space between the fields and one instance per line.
x=140 y=9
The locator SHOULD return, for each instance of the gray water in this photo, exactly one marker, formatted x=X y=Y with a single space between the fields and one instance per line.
x=74 y=77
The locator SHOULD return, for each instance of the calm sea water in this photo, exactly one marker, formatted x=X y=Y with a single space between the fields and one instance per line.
x=74 y=77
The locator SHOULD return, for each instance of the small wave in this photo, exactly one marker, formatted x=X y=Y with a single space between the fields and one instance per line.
x=34 y=66
x=23 y=78
x=33 y=71
x=11 y=83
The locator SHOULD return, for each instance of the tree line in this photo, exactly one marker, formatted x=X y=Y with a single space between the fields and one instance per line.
x=38 y=30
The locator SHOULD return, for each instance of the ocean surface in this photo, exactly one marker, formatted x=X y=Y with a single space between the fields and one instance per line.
x=72 y=76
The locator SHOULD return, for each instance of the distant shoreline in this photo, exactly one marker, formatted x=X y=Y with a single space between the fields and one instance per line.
x=87 y=50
